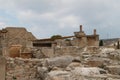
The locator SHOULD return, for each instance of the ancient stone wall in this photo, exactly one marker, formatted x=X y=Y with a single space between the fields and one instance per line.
x=70 y=50
x=81 y=42
x=43 y=52
x=21 y=69
x=57 y=51
x=16 y=36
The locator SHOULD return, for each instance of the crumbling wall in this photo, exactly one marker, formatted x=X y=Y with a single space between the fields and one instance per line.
x=21 y=69
x=16 y=36
x=71 y=50
x=93 y=41
x=43 y=52
x=57 y=51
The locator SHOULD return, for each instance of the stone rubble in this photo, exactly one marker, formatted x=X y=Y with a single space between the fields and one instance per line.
x=104 y=65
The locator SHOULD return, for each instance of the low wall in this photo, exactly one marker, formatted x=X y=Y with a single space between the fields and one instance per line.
x=57 y=51
x=71 y=50
x=21 y=69
x=60 y=51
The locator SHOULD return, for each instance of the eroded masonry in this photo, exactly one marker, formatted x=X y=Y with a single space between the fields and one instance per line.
x=79 y=39
x=16 y=42
x=76 y=57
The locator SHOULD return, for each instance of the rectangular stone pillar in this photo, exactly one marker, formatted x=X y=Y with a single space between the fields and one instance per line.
x=2 y=68
x=80 y=28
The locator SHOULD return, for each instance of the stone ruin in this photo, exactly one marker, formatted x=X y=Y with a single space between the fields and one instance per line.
x=13 y=39
x=71 y=45
x=23 y=57
x=79 y=39
x=18 y=42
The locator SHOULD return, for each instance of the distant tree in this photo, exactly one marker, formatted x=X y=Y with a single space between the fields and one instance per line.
x=101 y=43
x=67 y=39
x=56 y=37
x=118 y=45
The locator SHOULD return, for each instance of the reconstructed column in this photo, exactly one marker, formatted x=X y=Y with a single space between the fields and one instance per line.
x=94 y=32
x=80 y=28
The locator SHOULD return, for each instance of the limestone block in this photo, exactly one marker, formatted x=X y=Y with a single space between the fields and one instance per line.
x=114 y=69
x=86 y=71
x=62 y=61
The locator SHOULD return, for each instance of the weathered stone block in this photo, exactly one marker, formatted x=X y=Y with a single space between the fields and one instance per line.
x=2 y=68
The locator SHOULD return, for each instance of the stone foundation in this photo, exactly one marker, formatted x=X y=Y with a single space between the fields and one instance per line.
x=21 y=69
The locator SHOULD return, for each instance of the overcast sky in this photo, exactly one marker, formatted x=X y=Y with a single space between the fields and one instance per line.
x=45 y=18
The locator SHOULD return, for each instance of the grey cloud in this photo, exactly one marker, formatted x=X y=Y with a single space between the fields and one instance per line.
x=48 y=17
